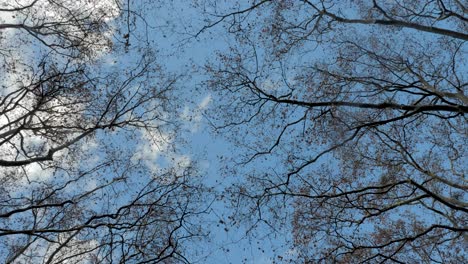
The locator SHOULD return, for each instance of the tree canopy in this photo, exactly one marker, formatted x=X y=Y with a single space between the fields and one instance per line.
x=345 y=124
x=77 y=81
x=364 y=104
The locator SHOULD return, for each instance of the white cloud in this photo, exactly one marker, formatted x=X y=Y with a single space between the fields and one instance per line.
x=41 y=250
x=151 y=146
x=193 y=116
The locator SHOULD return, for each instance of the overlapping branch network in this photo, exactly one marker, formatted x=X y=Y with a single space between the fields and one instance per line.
x=365 y=104
x=71 y=120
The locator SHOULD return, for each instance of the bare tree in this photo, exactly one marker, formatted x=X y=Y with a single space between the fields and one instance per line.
x=351 y=115
x=81 y=95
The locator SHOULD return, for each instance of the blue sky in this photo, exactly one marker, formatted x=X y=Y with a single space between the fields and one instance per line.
x=179 y=53
x=169 y=30
x=185 y=54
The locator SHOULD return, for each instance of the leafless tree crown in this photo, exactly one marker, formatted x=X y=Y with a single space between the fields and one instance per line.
x=365 y=104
